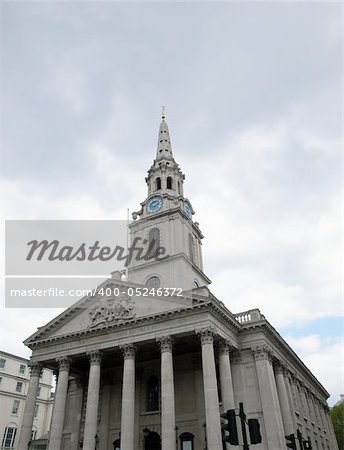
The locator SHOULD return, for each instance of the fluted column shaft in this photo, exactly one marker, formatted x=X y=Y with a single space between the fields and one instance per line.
x=57 y=419
x=91 y=419
x=283 y=400
x=168 y=419
x=128 y=399
x=269 y=398
x=30 y=404
x=211 y=397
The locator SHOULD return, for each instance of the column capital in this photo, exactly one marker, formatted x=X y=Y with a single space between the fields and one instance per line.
x=166 y=343
x=128 y=351
x=303 y=387
x=261 y=352
x=35 y=368
x=64 y=362
x=225 y=347
x=280 y=368
x=95 y=357
x=206 y=335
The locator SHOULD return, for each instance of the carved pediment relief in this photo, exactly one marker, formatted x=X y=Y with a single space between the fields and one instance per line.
x=111 y=310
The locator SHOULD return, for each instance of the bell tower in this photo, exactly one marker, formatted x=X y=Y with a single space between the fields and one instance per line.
x=166 y=220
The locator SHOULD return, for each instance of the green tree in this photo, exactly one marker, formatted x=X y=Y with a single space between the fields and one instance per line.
x=337 y=416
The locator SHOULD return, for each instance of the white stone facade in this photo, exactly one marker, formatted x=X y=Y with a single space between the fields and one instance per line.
x=14 y=386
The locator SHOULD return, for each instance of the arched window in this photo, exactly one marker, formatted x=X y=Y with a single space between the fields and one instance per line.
x=186 y=441
x=179 y=191
x=169 y=183
x=195 y=284
x=152 y=394
x=158 y=183
x=153 y=242
x=152 y=441
x=117 y=444
x=153 y=282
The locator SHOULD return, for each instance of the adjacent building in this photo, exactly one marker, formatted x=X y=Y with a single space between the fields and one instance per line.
x=14 y=385
x=151 y=362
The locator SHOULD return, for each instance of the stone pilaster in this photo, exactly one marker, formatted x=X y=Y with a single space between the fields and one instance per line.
x=288 y=381
x=92 y=404
x=211 y=397
x=59 y=409
x=168 y=419
x=269 y=398
x=30 y=404
x=303 y=393
x=283 y=398
x=128 y=398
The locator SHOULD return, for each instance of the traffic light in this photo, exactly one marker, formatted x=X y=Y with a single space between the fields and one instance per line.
x=254 y=430
x=230 y=427
x=292 y=442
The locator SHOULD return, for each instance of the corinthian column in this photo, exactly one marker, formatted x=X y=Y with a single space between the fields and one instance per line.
x=29 y=410
x=283 y=399
x=128 y=398
x=226 y=376
x=211 y=397
x=57 y=419
x=91 y=419
x=269 y=398
x=168 y=419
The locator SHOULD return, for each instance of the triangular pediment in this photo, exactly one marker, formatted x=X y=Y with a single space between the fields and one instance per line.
x=115 y=303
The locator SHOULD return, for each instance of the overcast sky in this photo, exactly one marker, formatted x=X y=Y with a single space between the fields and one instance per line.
x=253 y=95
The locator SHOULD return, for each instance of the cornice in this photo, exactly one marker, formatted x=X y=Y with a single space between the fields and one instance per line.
x=123 y=324
x=202 y=305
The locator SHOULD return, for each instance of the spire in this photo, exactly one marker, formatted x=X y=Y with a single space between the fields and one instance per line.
x=164 y=149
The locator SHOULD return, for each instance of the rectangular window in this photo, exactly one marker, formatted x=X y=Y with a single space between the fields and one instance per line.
x=19 y=386
x=22 y=368
x=33 y=435
x=36 y=410
x=15 y=406
x=2 y=363
x=9 y=436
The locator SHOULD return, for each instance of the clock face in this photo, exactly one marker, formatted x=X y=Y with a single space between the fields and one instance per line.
x=154 y=204
x=187 y=210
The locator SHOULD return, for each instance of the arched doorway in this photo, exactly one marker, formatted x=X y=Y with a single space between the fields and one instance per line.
x=153 y=441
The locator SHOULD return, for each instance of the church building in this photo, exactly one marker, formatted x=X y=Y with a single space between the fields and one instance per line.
x=156 y=365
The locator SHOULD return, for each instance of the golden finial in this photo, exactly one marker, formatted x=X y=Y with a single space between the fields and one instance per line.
x=163 y=112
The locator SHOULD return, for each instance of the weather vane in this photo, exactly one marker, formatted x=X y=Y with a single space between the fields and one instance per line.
x=163 y=112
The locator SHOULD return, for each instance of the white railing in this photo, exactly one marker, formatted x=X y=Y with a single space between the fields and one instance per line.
x=249 y=316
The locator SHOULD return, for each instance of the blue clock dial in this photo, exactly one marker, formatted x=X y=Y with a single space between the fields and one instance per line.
x=187 y=210
x=154 y=204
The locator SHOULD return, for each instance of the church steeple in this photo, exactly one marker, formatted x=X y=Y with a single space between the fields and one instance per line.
x=165 y=219
x=164 y=149
x=165 y=176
